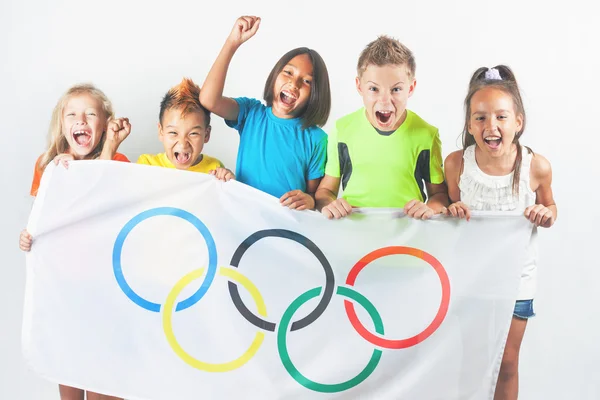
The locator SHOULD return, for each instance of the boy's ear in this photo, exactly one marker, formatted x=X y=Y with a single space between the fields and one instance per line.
x=412 y=87
x=357 y=80
x=160 y=132
x=207 y=134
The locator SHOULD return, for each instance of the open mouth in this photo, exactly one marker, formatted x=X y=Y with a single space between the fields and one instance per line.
x=82 y=138
x=287 y=98
x=182 y=157
x=383 y=117
x=493 y=141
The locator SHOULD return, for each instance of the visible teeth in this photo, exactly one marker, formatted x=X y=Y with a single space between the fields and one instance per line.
x=491 y=138
x=288 y=94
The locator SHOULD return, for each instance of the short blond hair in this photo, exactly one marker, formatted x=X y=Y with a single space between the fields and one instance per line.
x=57 y=142
x=386 y=50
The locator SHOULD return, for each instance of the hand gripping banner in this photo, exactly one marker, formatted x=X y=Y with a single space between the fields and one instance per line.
x=149 y=283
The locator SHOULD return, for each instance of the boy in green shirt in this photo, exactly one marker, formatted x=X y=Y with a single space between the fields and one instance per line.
x=384 y=155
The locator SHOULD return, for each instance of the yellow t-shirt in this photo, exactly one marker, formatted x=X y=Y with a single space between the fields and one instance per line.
x=161 y=160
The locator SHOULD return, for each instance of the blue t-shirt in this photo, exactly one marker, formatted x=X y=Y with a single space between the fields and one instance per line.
x=276 y=155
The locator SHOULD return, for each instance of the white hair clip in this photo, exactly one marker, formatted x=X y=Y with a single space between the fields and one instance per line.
x=492 y=74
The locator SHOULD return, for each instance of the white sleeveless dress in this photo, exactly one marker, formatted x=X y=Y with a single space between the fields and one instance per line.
x=482 y=192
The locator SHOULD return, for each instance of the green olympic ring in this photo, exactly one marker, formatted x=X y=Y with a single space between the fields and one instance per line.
x=285 y=357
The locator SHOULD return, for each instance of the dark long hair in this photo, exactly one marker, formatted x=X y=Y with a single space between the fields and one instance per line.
x=317 y=109
x=507 y=84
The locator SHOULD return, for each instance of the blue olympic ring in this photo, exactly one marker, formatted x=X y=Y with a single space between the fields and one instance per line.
x=176 y=212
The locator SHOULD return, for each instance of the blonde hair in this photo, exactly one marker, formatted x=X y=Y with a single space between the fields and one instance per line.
x=57 y=142
x=386 y=51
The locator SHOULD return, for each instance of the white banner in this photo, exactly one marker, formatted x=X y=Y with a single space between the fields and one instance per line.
x=151 y=283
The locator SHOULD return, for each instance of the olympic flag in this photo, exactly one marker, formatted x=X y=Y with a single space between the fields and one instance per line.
x=149 y=283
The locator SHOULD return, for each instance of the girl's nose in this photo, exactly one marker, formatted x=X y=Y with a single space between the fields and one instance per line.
x=490 y=124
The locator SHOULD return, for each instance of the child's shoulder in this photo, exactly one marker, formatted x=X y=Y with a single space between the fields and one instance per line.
x=350 y=119
x=152 y=159
x=540 y=166
x=416 y=122
x=454 y=160
x=38 y=161
x=316 y=133
x=120 y=157
x=212 y=161
x=249 y=103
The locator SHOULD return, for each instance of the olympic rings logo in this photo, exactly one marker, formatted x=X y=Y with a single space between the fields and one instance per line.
x=285 y=326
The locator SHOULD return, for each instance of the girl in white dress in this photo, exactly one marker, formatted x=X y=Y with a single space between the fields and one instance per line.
x=494 y=172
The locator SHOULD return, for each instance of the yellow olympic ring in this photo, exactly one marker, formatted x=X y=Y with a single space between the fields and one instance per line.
x=168 y=326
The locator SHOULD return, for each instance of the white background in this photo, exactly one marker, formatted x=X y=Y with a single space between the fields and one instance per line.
x=136 y=51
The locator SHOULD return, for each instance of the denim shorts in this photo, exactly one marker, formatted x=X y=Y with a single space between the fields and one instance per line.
x=524 y=309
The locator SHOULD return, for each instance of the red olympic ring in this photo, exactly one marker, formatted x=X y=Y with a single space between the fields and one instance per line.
x=433 y=326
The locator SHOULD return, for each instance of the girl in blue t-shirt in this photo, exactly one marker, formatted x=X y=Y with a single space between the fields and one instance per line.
x=282 y=149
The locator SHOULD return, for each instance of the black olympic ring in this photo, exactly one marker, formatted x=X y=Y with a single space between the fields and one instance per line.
x=304 y=241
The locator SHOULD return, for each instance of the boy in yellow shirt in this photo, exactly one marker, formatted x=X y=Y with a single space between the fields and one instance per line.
x=184 y=128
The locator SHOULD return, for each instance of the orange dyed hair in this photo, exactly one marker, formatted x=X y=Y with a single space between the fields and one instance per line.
x=185 y=96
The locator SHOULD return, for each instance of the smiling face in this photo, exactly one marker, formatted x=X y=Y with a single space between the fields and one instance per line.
x=183 y=136
x=292 y=87
x=493 y=121
x=385 y=91
x=83 y=124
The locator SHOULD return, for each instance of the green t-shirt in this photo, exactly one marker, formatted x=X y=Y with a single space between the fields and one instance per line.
x=379 y=170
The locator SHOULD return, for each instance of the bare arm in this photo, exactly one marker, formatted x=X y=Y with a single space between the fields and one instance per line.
x=211 y=94
x=327 y=200
x=452 y=170
x=438 y=197
x=116 y=132
x=299 y=200
x=312 y=185
x=327 y=191
x=544 y=212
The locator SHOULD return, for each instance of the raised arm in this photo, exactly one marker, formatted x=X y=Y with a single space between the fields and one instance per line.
x=117 y=131
x=211 y=95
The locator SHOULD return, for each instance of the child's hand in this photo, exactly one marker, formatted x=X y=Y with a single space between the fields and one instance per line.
x=460 y=210
x=244 y=28
x=25 y=240
x=63 y=159
x=337 y=209
x=540 y=215
x=118 y=130
x=222 y=174
x=297 y=200
x=418 y=210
